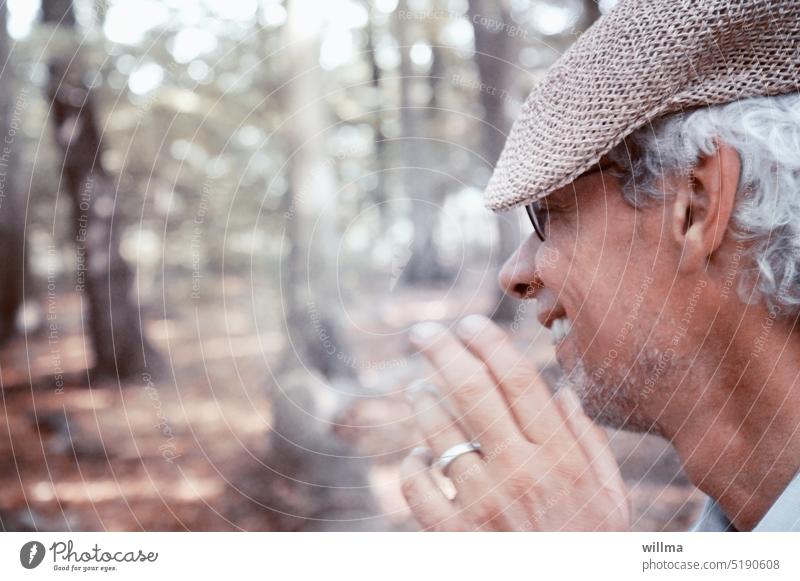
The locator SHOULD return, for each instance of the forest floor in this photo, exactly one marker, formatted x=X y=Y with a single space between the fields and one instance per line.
x=171 y=453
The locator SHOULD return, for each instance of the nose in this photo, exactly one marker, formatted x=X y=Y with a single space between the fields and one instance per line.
x=519 y=276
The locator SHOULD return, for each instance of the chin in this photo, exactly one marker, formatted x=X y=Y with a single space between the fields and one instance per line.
x=607 y=400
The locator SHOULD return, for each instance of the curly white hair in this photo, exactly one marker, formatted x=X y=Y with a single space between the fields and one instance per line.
x=765 y=131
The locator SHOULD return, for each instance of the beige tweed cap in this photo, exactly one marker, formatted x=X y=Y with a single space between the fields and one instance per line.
x=642 y=60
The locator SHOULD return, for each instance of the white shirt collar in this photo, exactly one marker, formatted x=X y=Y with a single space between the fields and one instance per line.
x=784 y=515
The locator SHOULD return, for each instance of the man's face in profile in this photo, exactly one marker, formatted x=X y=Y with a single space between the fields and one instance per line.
x=626 y=324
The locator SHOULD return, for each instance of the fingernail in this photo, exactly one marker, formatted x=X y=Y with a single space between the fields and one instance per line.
x=419 y=388
x=423 y=454
x=424 y=332
x=470 y=326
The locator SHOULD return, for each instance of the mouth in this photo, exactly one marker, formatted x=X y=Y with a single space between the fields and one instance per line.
x=559 y=329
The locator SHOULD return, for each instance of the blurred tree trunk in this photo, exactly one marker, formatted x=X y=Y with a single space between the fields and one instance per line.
x=12 y=222
x=424 y=265
x=120 y=347
x=381 y=195
x=591 y=12
x=315 y=480
x=493 y=51
x=58 y=13
x=312 y=304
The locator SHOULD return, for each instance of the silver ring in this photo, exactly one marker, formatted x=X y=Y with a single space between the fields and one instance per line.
x=453 y=452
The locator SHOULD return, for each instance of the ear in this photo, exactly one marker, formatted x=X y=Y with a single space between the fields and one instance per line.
x=703 y=207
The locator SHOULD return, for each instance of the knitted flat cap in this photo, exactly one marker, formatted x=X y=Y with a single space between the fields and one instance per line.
x=642 y=60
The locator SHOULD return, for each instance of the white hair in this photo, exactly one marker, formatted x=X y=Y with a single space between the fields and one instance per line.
x=765 y=131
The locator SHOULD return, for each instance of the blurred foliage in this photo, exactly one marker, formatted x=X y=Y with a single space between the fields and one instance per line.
x=190 y=93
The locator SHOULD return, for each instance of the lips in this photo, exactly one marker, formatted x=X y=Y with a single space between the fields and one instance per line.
x=559 y=329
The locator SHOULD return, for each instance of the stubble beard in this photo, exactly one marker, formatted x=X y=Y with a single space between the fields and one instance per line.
x=610 y=400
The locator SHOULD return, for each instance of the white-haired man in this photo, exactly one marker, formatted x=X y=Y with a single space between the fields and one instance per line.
x=659 y=162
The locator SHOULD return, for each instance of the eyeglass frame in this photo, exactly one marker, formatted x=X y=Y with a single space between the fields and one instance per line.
x=533 y=208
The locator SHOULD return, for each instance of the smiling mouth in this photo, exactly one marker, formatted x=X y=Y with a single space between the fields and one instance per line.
x=559 y=329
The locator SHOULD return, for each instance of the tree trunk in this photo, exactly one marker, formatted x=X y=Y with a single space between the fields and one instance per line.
x=58 y=13
x=120 y=347
x=12 y=224
x=313 y=322
x=492 y=53
x=424 y=265
x=380 y=196
x=591 y=12
x=315 y=480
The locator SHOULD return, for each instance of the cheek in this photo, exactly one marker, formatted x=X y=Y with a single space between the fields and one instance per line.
x=553 y=267
x=597 y=284
x=622 y=316
x=573 y=274
x=594 y=265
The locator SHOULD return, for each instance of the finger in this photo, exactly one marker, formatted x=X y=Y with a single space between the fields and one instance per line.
x=442 y=432
x=427 y=501
x=597 y=452
x=525 y=392
x=419 y=387
x=467 y=383
x=592 y=440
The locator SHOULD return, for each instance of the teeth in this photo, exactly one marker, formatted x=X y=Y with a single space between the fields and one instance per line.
x=559 y=329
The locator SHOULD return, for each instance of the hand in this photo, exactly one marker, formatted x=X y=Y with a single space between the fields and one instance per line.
x=543 y=464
